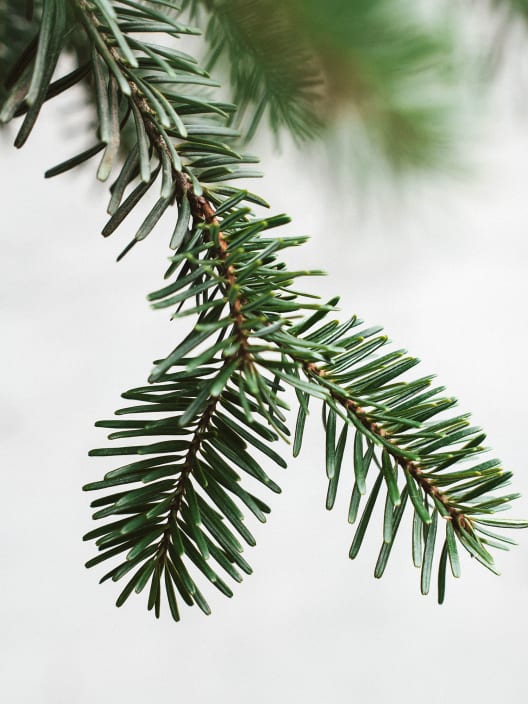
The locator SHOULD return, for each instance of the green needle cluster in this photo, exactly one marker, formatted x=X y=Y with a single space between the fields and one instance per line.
x=171 y=515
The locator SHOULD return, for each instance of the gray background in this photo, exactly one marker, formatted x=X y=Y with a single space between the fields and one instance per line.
x=441 y=264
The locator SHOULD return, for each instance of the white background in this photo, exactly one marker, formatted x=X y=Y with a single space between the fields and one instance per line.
x=443 y=268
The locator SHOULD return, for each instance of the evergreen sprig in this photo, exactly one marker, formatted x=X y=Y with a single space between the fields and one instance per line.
x=215 y=405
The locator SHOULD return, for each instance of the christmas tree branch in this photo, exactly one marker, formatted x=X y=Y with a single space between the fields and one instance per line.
x=217 y=402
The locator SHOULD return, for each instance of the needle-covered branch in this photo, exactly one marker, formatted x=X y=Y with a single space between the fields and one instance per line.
x=201 y=432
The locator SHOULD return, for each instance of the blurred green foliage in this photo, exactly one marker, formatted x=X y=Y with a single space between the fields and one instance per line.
x=309 y=66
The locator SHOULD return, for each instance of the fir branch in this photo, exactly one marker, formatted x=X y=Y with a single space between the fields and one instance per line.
x=410 y=467
x=219 y=395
